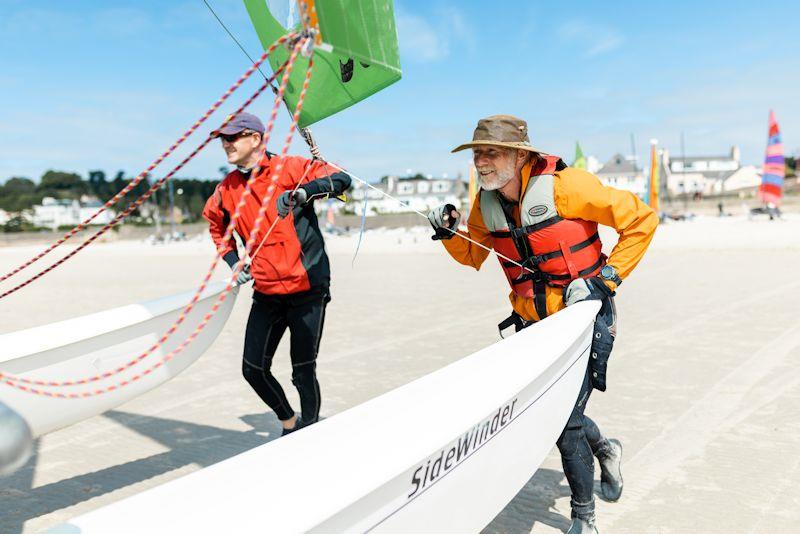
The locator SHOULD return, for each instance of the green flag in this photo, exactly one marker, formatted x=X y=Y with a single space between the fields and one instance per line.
x=580 y=161
x=358 y=56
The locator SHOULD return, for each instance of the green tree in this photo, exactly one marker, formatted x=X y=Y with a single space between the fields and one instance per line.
x=791 y=166
x=99 y=186
x=61 y=184
x=19 y=194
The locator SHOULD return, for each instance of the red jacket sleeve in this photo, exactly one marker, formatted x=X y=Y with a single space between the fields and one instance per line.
x=218 y=219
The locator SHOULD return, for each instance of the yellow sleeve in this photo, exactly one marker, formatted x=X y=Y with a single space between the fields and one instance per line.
x=580 y=195
x=466 y=252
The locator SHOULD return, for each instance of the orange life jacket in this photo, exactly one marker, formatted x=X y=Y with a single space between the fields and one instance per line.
x=557 y=250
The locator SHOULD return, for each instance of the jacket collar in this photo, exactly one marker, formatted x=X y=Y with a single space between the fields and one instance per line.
x=544 y=165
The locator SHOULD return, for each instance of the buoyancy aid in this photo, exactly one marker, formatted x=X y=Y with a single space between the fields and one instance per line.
x=557 y=250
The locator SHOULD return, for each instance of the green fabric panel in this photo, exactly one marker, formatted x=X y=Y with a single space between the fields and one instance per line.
x=357 y=36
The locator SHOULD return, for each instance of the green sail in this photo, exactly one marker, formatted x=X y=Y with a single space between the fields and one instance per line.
x=359 y=55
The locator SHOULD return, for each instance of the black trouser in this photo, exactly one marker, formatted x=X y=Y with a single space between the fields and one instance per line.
x=581 y=440
x=270 y=315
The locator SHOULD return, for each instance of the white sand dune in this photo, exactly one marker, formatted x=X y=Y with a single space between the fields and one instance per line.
x=704 y=383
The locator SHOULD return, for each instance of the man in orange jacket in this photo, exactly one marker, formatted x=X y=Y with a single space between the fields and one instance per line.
x=290 y=268
x=543 y=216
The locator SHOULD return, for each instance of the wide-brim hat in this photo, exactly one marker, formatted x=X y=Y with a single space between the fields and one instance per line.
x=501 y=130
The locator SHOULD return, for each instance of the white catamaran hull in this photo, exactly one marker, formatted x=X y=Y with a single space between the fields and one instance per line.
x=100 y=342
x=444 y=453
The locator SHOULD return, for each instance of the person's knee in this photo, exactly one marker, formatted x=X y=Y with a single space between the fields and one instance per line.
x=304 y=373
x=251 y=374
x=568 y=441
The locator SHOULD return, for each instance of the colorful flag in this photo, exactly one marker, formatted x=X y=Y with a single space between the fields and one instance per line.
x=580 y=161
x=653 y=184
x=771 y=187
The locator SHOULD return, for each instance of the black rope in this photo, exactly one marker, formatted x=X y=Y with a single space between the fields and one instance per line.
x=235 y=40
x=304 y=132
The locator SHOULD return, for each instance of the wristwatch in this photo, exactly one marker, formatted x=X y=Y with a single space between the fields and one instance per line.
x=608 y=272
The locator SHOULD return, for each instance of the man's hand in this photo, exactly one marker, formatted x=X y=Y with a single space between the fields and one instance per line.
x=244 y=275
x=444 y=220
x=586 y=289
x=289 y=200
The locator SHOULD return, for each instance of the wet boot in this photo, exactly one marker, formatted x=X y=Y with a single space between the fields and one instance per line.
x=582 y=518
x=610 y=458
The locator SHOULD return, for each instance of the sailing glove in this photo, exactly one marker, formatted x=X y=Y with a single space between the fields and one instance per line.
x=444 y=220
x=586 y=289
x=232 y=258
x=291 y=199
x=244 y=275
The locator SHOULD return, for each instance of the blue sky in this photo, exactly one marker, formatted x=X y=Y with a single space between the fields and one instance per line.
x=109 y=85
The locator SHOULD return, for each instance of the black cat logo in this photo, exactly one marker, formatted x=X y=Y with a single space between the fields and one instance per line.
x=347 y=69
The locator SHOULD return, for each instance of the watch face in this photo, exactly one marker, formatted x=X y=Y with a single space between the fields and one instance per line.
x=607 y=272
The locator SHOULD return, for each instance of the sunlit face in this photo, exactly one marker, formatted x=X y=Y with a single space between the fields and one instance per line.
x=242 y=147
x=496 y=166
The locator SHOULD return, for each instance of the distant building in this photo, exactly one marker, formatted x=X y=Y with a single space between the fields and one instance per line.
x=53 y=213
x=623 y=173
x=709 y=175
x=4 y=217
x=593 y=164
x=420 y=194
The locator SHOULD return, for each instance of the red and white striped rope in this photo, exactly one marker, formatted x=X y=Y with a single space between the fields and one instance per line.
x=138 y=202
x=17 y=381
x=125 y=190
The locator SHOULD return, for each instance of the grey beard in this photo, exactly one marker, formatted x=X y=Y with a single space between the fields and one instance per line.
x=502 y=179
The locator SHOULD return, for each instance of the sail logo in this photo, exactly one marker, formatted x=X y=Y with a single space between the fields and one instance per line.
x=438 y=465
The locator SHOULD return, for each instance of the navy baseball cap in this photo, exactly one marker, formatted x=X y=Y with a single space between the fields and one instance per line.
x=241 y=122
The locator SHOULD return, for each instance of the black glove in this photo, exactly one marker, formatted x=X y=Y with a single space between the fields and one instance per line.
x=444 y=220
x=290 y=199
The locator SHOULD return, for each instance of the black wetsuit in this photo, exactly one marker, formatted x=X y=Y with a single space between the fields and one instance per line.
x=304 y=315
x=581 y=440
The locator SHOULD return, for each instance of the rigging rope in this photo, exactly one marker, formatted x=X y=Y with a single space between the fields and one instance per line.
x=22 y=383
x=133 y=183
x=407 y=205
x=139 y=201
x=306 y=133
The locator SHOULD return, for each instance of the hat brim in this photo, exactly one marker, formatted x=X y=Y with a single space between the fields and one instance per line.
x=517 y=146
x=227 y=130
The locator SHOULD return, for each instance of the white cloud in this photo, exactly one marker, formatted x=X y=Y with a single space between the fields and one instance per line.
x=595 y=39
x=419 y=40
x=432 y=39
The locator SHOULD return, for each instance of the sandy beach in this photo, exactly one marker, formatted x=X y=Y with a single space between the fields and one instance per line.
x=704 y=381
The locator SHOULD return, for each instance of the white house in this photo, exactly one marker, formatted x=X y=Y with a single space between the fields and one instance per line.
x=53 y=213
x=4 y=217
x=709 y=175
x=420 y=194
x=623 y=173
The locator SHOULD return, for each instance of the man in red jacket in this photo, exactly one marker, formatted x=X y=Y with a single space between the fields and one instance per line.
x=291 y=269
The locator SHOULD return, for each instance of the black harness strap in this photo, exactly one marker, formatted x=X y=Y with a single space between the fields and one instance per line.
x=550 y=277
x=540 y=298
x=540 y=225
x=520 y=238
x=541 y=258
